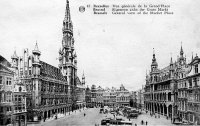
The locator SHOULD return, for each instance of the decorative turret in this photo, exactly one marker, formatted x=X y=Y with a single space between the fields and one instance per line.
x=36 y=60
x=36 y=50
x=154 y=64
x=83 y=79
x=15 y=59
x=171 y=70
x=181 y=59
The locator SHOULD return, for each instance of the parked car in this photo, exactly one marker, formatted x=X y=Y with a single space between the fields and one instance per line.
x=133 y=115
x=105 y=121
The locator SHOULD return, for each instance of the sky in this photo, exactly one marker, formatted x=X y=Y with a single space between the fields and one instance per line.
x=111 y=49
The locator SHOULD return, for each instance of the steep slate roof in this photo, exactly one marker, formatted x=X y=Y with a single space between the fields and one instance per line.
x=4 y=61
x=50 y=71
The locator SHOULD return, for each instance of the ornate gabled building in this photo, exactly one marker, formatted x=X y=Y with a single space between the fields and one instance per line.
x=6 y=92
x=189 y=94
x=88 y=97
x=99 y=96
x=12 y=96
x=47 y=90
x=80 y=92
x=122 y=96
x=93 y=96
x=161 y=91
x=50 y=90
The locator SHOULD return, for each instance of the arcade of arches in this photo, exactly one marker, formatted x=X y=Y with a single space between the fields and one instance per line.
x=160 y=103
x=159 y=108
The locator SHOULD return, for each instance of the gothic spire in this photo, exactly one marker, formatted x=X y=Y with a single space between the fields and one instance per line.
x=67 y=23
x=67 y=12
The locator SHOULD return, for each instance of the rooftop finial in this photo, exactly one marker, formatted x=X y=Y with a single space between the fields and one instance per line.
x=171 y=62
x=36 y=46
x=192 y=56
x=181 y=52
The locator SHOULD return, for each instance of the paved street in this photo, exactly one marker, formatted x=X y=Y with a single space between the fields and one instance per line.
x=94 y=117
x=152 y=121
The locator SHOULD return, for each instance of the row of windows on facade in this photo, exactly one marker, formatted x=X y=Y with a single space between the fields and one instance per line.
x=168 y=76
x=158 y=97
x=52 y=101
x=189 y=83
x=123 y=99
x=158 y=87
x=16 y=108
x=8 y=80
x=54 y=88
x=189 y=107
x=7 y=97
x=47 y=87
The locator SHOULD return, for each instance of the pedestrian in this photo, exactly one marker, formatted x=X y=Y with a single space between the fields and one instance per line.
x=135 y=124
x=84 y=114
x=142 y=122
x=146 y=123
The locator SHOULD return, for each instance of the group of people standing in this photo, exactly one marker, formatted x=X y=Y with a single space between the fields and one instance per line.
x=142 y=123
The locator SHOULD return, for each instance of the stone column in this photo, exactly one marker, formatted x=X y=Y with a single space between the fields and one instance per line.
x=25 y=120
x=163 y=110
x=167 y=111
x=166 y=96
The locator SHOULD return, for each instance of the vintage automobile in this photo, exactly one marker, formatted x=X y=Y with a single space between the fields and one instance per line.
x=133 y=115
x=105 y=121
x=115 y=122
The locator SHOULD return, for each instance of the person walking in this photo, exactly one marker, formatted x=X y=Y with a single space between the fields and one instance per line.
x=142 y=122
x=146 y=123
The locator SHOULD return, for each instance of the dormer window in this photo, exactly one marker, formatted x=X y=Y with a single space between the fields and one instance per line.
x=196 y=68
